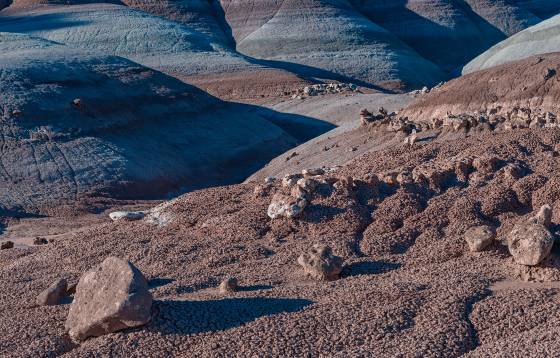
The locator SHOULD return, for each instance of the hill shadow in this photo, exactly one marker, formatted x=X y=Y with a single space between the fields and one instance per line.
x=194 y=317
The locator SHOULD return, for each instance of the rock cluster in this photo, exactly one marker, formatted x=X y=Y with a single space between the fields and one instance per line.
x=320 y=263
x=389 y=121
x=110 y=297
x=496 y=119
x=323 y=89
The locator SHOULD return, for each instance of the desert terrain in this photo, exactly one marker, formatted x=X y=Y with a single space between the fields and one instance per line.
x=278 y=178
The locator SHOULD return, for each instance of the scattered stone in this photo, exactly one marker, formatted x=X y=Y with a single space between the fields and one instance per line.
x=6 y=245
x=127 y=215
x=40 y=241
x=110 y=297
x=17 y=113
x=269 y=180
x=307 y=184
x=320 y=263
x=312 y=172
x=286 y=206
x=292 y=155
x=229 y=285
x=77 y=102
x=425 y=90
x=479 y=237
x=411 y=139
x=550 y=72
x=54 y=294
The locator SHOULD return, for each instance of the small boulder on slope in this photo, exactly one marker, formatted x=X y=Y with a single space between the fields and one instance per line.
x=320 y=263
x=110 y=297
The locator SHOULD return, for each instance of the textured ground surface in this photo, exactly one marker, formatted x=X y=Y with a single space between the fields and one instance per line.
x=409 y=286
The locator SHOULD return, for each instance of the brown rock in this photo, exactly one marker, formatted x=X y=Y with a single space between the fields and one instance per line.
x=479 y=237
x=110 y=297
x=319 y=263
x=6 y=245
x=40 y=241
x=54 y=294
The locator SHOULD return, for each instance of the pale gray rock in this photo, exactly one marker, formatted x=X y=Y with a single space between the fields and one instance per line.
x=530 y=242
x=110 y=297
x=286 y=206
x=127 y=215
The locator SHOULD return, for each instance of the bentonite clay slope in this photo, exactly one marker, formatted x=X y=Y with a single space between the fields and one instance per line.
x=184 y=51
x=538 y=39
x=77 y=124
x=409 y=285
x=328 y=38
x=533 y=83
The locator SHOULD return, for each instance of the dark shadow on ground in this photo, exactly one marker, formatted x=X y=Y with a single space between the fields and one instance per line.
x=369 y=268
x=159 y=282
x=193 y=317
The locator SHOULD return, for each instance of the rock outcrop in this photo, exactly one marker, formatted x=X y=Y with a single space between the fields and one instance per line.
x=110 y=297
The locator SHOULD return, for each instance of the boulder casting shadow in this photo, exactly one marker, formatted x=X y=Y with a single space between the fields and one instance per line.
x=193 y=317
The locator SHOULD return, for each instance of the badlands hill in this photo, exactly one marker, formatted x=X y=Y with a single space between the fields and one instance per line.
x=77 y=124
x=236 y=49
x=539 y=39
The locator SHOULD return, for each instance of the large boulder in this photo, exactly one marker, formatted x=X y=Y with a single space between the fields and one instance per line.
x=110 y=297
x=531 y=242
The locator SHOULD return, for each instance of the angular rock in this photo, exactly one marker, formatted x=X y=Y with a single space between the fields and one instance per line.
x=287 y=206
x=320 y=263
x=479 y=237
x=110 y=297
x=54 y=294
x=228 y=285
x=127 y=215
